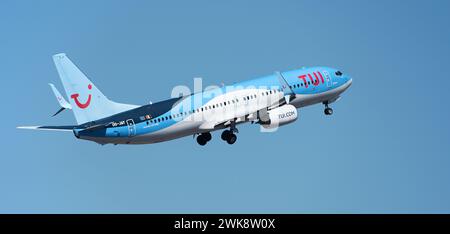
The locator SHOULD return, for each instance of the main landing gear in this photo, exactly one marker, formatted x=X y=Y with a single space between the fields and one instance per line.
x=328 y=110
x=203 y=138
x=228 y=135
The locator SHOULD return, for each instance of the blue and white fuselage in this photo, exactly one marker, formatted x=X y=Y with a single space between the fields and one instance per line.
x=271 y=101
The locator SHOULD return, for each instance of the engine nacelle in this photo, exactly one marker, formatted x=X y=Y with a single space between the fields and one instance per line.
x=281 y=116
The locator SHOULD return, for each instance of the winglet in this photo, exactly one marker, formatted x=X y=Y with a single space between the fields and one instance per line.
x=287 y=90
x=62 y=102
x=284 y=84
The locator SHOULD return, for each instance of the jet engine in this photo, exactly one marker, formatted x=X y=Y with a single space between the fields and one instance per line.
x=280 y=116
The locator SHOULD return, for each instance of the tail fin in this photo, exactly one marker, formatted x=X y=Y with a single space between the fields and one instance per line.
x=88 y=103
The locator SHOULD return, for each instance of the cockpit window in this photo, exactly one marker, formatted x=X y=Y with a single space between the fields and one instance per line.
x=339 y=73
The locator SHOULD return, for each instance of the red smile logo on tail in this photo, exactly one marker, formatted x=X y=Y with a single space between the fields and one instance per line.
x=79 y=104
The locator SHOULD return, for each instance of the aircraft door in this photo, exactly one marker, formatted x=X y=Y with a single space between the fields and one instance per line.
x=131 y=127
x=328 y=80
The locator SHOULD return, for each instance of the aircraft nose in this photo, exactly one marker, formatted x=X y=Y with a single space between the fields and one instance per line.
x=348 y=83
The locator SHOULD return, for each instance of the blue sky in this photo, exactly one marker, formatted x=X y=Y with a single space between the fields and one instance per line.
x=385 y=150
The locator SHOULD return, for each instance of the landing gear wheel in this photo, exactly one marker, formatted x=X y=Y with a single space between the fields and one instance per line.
x=328 y=111
x=201 y=140
x=225 y=135
x=231 y=139
x=207 y=136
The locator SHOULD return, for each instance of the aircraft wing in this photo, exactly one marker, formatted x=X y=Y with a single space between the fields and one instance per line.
x=210 y=125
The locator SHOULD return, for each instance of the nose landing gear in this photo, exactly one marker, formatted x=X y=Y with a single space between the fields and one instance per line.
x=328 y=110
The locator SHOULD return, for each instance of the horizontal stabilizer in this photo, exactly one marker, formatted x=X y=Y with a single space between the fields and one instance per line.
x=49 y=128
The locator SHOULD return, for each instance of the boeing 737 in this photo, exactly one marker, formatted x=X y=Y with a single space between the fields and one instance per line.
x=270 y=101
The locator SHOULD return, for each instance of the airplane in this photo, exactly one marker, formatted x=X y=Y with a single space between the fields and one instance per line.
x=270 y=101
